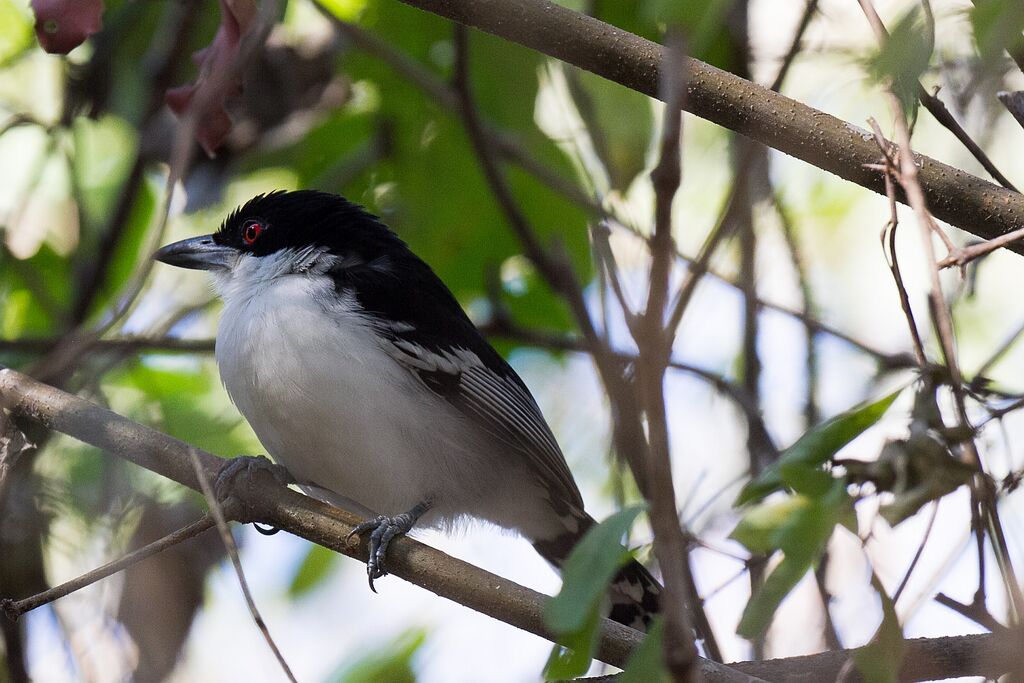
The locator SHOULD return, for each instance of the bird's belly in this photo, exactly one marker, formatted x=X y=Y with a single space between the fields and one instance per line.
x=328 y=403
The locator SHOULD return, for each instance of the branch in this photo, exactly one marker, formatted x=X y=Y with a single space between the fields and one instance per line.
x=13 y=609
x=262 y=499
x=925 y=659
x=955 y=196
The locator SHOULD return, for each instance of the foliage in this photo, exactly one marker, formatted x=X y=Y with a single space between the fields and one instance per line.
x=573 y=614
x=366 y=108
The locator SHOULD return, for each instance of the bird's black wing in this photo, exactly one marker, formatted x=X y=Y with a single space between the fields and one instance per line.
x=426 y=331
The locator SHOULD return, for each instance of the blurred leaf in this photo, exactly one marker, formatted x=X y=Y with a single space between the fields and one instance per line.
x=180 y=402
x=346 y=10
x=574 y=614
x=998 y=25
x=103 y=153
x=63 y=25
x=588 y=570
x=796 y=465
x=315 y=567
x=629 y=15
x=646 y=664
x=880 y=660
x=571 y=657
x=36 y=290
x=429 y=157
x=903 y=58
x=916 y=470
x=799 y=526
x=15 y=31
x=127 y=252
x=620 y=122
x=705 y=23
x=393 y=663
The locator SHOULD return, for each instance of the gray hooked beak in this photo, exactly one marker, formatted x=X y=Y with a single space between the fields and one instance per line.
x=199 y=253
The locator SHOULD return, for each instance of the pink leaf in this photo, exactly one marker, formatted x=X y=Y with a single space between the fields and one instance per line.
x=63 y=25
x=219 y=77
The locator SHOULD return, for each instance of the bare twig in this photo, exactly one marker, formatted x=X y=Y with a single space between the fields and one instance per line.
x=980 y=488
x=232 y=549
x=976 y=612
x=557 y=271
x=961 y=256
x=917 y=555
x=810 y=9
x=888 y=238
x=654 y=341
x=13 y=609
x=997 y=355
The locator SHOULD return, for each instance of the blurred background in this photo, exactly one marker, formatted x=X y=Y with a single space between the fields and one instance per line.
x=355 y=97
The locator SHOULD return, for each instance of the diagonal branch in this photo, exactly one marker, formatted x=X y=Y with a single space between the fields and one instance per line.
x=265 y=500
x=955 y=196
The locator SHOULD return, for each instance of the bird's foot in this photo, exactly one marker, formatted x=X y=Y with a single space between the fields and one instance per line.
x=238 y=471
x=383 y=529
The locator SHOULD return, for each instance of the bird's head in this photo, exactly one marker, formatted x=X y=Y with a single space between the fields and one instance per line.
x=279 y=232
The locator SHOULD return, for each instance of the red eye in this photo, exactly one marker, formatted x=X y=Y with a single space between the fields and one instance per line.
x=251 y=231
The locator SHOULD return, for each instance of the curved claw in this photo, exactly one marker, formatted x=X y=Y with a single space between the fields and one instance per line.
x=384 y=529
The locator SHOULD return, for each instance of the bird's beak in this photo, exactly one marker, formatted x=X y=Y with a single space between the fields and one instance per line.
x=199 y=253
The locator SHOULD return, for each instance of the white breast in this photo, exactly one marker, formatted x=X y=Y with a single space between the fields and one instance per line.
x=327 y=402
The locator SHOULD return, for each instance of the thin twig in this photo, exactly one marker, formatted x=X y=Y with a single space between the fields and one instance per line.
x=938 y=109
x=917 y=555
x=976 y=612
x=888 y=237
x=980 y=488
x=232 y=548
x=810 y=9
x=961 y=256
x=997 y=355
x=654 y=341
x=15 y=608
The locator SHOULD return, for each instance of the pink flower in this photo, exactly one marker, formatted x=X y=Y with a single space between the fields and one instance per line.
x=219 y=76
x=63 y=25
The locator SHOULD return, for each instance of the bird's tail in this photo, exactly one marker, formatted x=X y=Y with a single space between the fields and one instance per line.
x=634 y=594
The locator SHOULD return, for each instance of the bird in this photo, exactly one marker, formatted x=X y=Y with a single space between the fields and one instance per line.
x=361 y=375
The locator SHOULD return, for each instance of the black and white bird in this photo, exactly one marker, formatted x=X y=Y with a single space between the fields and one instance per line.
x=361 y=375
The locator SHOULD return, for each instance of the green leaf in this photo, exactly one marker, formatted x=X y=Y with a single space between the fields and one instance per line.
x=587 y=571
x=800 y=527
x=429 y=155
x=128 y=250
x=574 y=614
x=104 y=149
x=903 y=58
x=797 y=464
x=346 y=10
x=880 y=660
x=571 y=657
x=706 y=25
x=39 y=288
x=392 y=663
x=998 y=25
x=315 y=567
x=15 y=31
x=646 y=665
x=620 y=122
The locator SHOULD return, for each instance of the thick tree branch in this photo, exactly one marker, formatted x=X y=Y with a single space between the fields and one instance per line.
x=261 y=499
x=955 y=196
x=925 y=659
x=264 y=500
